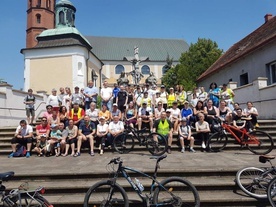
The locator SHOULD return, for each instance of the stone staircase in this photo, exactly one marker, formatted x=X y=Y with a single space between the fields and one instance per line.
x=67 y=179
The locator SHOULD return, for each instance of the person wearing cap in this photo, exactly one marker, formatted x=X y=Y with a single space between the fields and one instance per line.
x=105 y=113
x=168 y=114
x=55 y=138
x=164 y=97
x=164 y=127
x=186 y=112
x=76 y=114
x=102 y=131
x=115 y=128
x=138 y=95
x=175 y=117
x=158 y=110
x=106 y=95
x=171 y=97
x=53 y=100
x=146 y=98
x=29 y=102
x=78 y=97
x=145 y=116
x=86 y=133
x=185 y=132
x=91 y=94
x=115 y=112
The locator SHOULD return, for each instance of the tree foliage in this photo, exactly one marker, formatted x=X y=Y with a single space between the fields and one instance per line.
x=193 y=63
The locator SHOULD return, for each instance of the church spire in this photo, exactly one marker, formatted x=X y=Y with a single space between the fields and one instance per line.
x=65 y=14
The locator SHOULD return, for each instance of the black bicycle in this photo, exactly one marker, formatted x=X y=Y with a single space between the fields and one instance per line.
x=172 y=191
x=154 y=142
x=23 y=196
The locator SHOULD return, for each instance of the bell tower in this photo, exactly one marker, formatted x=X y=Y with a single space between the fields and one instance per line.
x=40 y=16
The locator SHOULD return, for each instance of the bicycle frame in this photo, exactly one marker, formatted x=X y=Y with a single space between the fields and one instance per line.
x=233 y=130
x=136 y=134
x=145 y=198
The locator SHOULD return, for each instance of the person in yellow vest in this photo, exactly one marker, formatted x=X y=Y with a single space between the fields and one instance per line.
x=165 y=127
x=171 y=98
x=76 y=114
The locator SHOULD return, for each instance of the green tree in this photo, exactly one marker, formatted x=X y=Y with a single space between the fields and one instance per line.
x=194 y=62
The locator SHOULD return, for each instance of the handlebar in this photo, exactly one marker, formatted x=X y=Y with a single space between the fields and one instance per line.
x=117 y=160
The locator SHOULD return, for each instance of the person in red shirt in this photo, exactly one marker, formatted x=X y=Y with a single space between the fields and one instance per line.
x=43 y=130
x=77 y=114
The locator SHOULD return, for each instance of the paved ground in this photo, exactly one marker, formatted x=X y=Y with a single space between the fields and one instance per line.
x=200 y=161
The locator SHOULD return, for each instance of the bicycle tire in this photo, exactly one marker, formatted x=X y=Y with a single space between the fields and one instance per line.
x=271 y=192
x=102 y=190
x=156 y=148
x=176 y=191
x=217 y=142
x=266 y=142
x=250 y=182
x=123 y=143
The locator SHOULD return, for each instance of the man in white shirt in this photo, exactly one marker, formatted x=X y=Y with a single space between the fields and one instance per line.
x=115 y=129
x=106 y=95
x=145 y=116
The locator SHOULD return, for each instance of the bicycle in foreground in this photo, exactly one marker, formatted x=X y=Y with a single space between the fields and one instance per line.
x=23 y=196
x=257 y=141
x=154 y=142
x=172 y=191
x=255 y=181
x=271 y=191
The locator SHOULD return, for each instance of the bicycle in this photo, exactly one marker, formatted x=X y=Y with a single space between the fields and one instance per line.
x=22 y=196
x=254 y=181
x=172 y=191
x=271 y=192
x=257 y=141
x=154 y=142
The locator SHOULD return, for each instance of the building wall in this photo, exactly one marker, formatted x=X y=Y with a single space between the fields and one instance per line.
x=254 y=64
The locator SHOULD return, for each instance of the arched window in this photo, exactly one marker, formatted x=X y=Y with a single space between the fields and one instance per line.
x=48 y=4
x=164 y=70
x=145 y=70
x=61 y=18
x=38 y=3
x=38 y=18
x=119 y=69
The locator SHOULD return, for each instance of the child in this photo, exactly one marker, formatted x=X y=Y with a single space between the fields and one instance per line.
x=56 y=138
x=185 y=132
x=40 y=148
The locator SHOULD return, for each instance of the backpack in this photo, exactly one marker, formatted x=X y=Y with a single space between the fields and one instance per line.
x=216 y=125
x=20 y=151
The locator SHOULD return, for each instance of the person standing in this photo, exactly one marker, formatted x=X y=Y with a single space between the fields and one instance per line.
x=106 y=95
x=29 y=102
x=77 y=97
x=91 y=93
x=53 y=100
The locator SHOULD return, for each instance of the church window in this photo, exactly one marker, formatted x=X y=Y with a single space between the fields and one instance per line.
x=164 y=70
x=38 y=3
x=48 y=4
x=145 y=70
x=38 y=18
x=61 y=18
x=119 y=69
x=244 y=79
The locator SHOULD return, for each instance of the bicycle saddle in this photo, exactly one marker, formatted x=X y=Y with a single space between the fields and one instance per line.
x=265 y=158
x=6 y=176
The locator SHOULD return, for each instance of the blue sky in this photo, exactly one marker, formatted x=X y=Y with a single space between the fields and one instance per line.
x=223 y=21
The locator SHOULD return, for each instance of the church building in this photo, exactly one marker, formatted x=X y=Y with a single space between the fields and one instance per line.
x=58 y=55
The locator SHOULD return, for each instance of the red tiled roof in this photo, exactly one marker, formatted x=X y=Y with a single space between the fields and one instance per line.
x=258 y=38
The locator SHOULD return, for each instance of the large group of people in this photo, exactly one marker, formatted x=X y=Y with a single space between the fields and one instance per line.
x=90 y=115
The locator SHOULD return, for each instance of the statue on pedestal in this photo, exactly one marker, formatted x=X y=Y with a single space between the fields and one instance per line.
x=122 y=80
x=151 y=79
x=135 y=73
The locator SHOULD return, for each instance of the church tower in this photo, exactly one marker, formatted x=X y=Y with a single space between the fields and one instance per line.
x=40 y=16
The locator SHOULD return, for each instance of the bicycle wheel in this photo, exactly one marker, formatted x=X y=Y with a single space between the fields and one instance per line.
x=156 y=144
x=259 y=142
x=271 y=192
x=104 y=193
x=252 y=182
x=176 y=191
x=123 y=143
x=217 y=142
